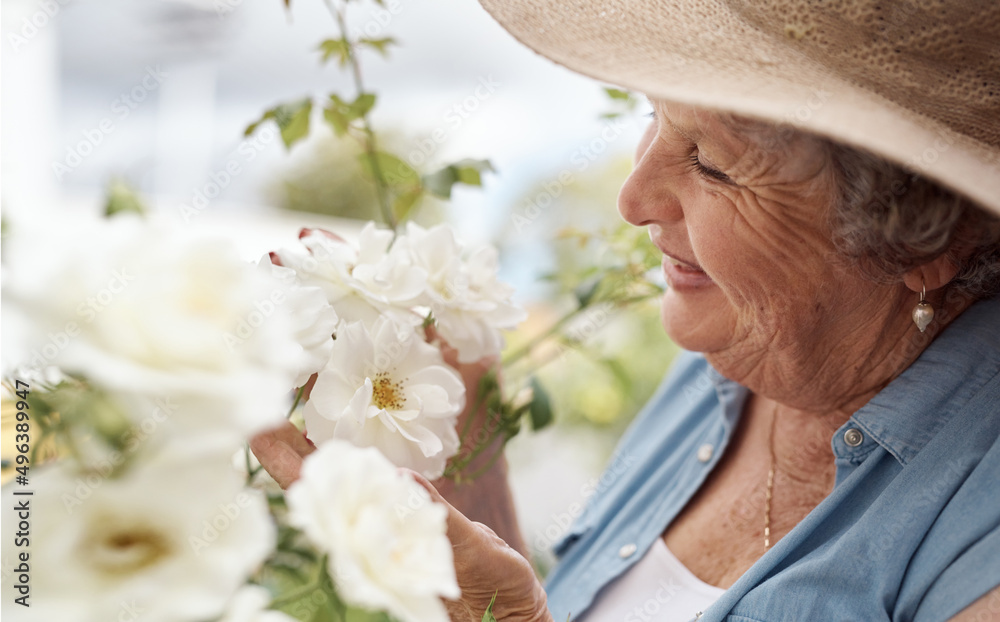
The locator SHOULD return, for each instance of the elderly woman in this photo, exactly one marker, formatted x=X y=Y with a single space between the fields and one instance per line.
x=820 y=179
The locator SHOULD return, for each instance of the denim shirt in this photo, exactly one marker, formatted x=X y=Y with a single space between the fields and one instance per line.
x=911 y=530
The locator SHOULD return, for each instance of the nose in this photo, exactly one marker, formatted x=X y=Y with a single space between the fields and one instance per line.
x=648 y=195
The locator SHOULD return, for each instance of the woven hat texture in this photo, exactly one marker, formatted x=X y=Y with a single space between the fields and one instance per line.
x=914 y=81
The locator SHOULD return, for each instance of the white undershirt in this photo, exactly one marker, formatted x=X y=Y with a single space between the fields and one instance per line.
x=658 y=588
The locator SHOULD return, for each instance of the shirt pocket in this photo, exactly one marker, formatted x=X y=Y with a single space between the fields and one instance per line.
x=574 y=534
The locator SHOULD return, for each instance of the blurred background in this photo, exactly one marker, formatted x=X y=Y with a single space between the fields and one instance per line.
x=148 y=100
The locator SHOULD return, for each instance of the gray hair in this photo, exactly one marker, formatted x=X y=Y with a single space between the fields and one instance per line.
x=889 y=220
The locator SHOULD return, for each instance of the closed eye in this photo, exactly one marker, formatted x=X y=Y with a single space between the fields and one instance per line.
x=708 y=172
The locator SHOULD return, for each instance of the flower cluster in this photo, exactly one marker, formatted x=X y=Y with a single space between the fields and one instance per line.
x=387 y=541
x=384 y=386
x=147 y=312
x=154 y=353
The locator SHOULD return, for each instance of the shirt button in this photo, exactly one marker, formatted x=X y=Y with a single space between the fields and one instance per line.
x=853 y=437
x=627 y=551
x=705 y=452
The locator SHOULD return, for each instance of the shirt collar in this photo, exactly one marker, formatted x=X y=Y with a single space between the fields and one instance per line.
x=908 y=412
x=911 y=409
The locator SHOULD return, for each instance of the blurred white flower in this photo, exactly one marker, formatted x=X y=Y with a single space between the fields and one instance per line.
x=470 y=305
x=387 y=543
x=153 y=311
x=389 y=389
x=362 y=281
x=314 y=320
x=170 y=540
x=250 y=605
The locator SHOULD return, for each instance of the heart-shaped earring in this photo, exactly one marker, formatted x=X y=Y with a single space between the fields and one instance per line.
x=923 y=313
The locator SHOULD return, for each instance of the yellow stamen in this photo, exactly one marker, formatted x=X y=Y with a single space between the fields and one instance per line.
x=386 y=393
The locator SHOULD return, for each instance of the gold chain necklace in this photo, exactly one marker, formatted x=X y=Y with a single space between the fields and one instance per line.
x=770 y=484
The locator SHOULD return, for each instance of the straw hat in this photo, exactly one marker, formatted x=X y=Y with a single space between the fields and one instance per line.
x=914 y=81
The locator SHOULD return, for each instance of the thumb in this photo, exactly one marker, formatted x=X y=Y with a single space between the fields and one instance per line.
x=278 y=458
x=461 y=530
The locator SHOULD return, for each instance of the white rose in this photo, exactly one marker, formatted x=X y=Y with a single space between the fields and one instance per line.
x=314 y=320
x=470 y=305
x=148 y=310
x=170 y=540
x=362 y=281
x=389 y=389
x=387 y=543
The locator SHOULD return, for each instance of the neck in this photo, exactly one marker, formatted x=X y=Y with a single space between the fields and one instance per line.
x=837 y=369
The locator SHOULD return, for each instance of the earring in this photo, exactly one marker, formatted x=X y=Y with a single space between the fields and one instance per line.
x=923 y=313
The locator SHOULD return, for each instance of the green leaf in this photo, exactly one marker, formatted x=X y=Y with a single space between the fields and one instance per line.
x=292 y=120
x=361 y=615
x=122 y=199
x=468 y=172
x=379 y=45
x=586 y=291
x=488 y=615
x=362 y=104
x=336 y=114
x=404 y=203
x=429 y=320
x=339 y=113
x=339 y=48
x=617 y=93
x=541 y=406
x=325 y=613
x=439 y=183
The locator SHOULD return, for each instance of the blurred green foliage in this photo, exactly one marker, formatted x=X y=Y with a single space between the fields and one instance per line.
x=603 y=366
x=331 y=177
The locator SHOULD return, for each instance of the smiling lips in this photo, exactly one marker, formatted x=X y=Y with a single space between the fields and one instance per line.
x=683 y=265
x=683 y=276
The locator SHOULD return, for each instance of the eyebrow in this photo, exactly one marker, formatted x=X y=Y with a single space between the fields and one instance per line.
x=673 y=126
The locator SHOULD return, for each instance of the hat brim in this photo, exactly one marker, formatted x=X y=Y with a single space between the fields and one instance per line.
x=691 y=53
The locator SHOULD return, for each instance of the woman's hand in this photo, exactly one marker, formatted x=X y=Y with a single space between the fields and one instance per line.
x=281 y=452
x=487 y=499
x=485 y=565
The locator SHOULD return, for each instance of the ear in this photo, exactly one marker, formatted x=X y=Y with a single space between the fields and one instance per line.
x=932 y=275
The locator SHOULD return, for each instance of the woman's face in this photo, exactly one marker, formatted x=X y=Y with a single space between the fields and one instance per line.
x=740 y=214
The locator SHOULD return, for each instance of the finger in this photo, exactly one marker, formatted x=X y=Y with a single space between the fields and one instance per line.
x=288 y=434
x=278 y=458
x=461 y=530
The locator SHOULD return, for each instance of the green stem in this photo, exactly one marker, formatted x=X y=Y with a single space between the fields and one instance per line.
x=295 y=404
x=539 y=339
x=251 y=472
x=478 y=449
x=295 y=594
x=480 y=400
x=308 y=588
x=369 y=143
x=489 y=465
